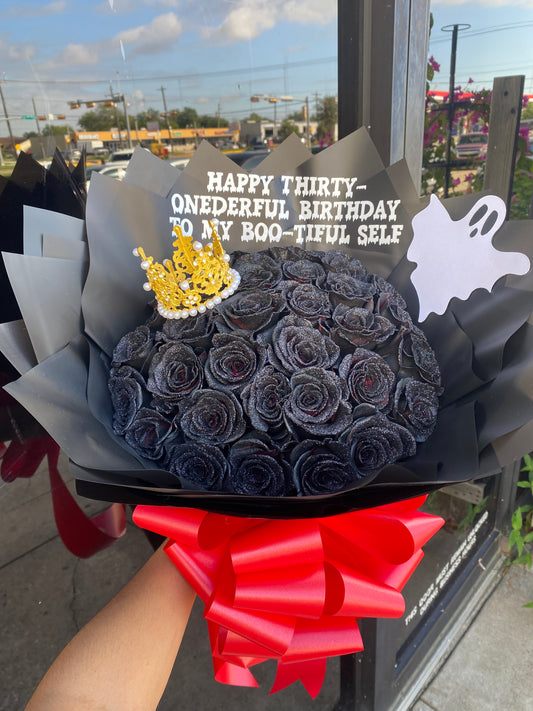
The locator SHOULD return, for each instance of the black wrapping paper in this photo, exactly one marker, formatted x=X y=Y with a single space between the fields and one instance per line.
x=482 y=343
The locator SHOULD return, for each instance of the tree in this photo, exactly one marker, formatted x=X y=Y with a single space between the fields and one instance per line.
x=255 y=117
x=287 y=127
x=102 y=118
x=527 y=111
x=188 y=118
x=50 y=130
x=144 y=117
x=207 y=121
x=297 y=115
x=327 y=116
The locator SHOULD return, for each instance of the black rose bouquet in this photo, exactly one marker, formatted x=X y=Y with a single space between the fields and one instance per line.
x=283 y=430
x=307 y=381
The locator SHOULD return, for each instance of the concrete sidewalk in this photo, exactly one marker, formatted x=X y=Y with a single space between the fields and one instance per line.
x=48 y=594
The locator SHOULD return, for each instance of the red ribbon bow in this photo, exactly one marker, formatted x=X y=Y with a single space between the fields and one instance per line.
x=292 y=590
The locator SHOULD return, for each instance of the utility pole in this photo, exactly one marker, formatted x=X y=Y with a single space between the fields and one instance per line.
x=5 y=114
x=130 y=145
x=117 y=118
x=121 y=96
x=162 y=89
x=38 y=128
x=307 y=135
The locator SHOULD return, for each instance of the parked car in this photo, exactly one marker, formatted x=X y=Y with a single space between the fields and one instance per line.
x=122 y=155
x=249 y=159
x=471 y=145
x=116 y=170
x=179 y=163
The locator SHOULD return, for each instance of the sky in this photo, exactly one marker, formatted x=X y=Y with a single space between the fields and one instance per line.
x=214 y=55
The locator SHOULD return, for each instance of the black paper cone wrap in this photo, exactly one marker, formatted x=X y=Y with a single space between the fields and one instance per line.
x=80 y=291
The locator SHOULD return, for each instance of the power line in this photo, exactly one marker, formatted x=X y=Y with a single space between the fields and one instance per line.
x=170 y=77
x=485 y=31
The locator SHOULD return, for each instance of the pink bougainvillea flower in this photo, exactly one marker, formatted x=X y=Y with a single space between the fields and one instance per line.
x=434 y=64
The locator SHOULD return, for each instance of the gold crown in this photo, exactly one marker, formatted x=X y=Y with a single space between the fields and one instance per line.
x=197 y=278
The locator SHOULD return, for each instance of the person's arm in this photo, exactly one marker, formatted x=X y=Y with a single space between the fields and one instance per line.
x=122 y=659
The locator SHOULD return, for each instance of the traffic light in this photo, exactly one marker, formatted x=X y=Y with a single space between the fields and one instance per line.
x=74 y=105
x=89 y=104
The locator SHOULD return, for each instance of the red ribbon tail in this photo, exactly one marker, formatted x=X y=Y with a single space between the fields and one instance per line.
x=228 y=673
x=81 y=535
x=310 y=673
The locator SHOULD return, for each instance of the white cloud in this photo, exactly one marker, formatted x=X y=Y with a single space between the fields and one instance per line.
x=124 y=6
x=250 y=18
x=19 y=51
x=76 y=54
x=162 y=31
x=37 y=9
x=309 y=12
x=152 y=38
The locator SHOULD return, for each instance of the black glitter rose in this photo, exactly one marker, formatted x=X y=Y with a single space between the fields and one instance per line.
x=323 y=468
x=257 y=468
x=174 y=372
x=198 y=466
x=258 y=271
x=317 y=403
x=345 y=289
x=415 y=354
x=375 y=442
x=233 y=361
x=251 y=311
x=127 y=388
x=296 y=345
x=369 y=378
x=339 y=262
x=392 y=306
x=194 y=332
x=148 y=433
x=211 y=417
x=134 y=348
x=307 y=301
x=416 y=406
x=359 y=327
x=263 y=400
x=304 y=271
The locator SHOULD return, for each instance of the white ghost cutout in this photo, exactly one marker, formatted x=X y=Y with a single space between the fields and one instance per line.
x=456 y=257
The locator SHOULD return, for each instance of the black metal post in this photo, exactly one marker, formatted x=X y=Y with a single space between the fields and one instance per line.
x=451 y=110
x=451 y=102
x=349 y=22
